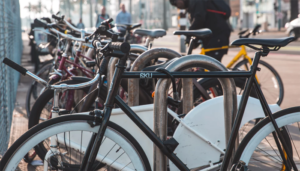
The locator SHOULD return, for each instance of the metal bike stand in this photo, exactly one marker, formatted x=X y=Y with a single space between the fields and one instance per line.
x=139 y=64
x=160 y=100
x=134 y=48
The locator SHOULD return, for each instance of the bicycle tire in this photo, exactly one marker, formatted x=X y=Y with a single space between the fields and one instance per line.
x=40 y=104
x=273 y=71
x=32 y=87
x=284 y=118
x=72 y=123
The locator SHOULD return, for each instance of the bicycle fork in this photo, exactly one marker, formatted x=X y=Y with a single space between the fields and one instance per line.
x=53 y=140
x=96 y=143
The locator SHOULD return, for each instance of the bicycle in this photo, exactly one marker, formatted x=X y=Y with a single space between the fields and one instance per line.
x=82 y=122
x=275 y=95
x=57 y=66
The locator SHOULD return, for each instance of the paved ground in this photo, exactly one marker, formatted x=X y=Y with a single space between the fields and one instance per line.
x=286 y=62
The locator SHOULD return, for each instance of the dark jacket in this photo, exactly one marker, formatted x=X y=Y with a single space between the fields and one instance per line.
x=201 y=18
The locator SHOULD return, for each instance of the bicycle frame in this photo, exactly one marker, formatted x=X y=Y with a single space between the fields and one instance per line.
x=71 y=72
x=112 y=99
x=241 y=53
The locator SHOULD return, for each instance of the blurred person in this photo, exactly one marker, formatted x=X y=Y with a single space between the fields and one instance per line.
x=212 y=14
x=101 y=17
x=80 y=25
x=123 y=17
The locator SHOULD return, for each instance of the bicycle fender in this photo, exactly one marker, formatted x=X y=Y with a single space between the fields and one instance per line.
x=207 y=119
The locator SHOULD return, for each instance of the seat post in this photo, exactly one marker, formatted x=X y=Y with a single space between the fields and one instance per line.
x=191 y=46
x=148 y=42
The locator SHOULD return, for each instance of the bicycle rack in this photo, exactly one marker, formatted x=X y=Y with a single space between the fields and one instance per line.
x=113 y=61
x=139 y=64
x=160 y=100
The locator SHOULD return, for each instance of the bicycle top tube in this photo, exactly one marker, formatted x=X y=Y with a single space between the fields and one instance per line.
x=178 y=74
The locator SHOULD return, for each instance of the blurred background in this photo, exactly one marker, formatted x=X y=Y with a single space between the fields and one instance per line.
x=271 y=14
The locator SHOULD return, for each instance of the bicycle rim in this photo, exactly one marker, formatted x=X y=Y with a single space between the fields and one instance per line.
x=119 y=150
x=253 y=150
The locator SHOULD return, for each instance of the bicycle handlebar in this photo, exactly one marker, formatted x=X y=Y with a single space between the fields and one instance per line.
x=116 y=46
x=57 y=17
x=120 y=46
x=15 y=66
x=51 y=25
x=37 y=21
x=70 y=25
x=24 y=71
x=67 y=36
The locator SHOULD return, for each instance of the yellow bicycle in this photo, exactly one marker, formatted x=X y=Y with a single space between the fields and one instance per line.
x=269 y=79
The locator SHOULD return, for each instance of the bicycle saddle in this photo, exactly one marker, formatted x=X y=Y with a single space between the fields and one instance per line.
x=201 y=33
x=154 y=33
x=264 y=42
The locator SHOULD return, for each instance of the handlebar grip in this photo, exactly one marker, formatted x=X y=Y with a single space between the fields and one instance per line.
x=37 y=21
x=56 y=17
x=15 y=66
x=123 y=47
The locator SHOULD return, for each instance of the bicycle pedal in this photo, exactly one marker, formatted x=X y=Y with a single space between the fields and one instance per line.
x=171 y=144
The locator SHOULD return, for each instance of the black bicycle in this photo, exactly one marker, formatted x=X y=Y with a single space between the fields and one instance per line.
x=119 y=150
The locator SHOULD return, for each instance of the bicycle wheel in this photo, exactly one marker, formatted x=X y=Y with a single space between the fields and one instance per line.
x=269 y=80
x=72 y=133
x=253 y=151
x=41 y=110
x=36 y=89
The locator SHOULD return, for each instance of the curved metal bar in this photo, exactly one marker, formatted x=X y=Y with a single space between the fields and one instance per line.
x=160 y=99
x=140 y=63
x=75 y=86
x=137 y=48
